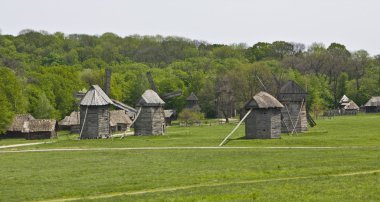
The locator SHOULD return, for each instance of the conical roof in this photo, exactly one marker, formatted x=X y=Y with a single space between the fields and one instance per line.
x=95 y=97
x=292 y=87
x=150 y=98
x=263 y=100
x=192 y=97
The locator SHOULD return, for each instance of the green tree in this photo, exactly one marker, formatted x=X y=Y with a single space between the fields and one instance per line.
x=6 y=113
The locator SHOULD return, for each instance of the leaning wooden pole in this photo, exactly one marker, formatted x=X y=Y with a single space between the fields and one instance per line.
x=134 y=120
x=84 y=122
x=237 y=126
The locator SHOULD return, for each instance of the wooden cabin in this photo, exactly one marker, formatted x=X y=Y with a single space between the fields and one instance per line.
x=348 y=105
x=39 y=129
x=294 y=115
x=373 y=105
x=15 y=130
x=71 y=123
x=119 y=120
x=192 y=103
x=264 y=122
x=151 y=120
x=95 y=114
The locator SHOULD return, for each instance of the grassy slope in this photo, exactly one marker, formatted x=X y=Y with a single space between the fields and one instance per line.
x=35 y=176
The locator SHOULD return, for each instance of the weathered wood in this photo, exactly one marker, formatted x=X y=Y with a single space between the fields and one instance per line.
x=263 y=124
x=265 y=120
x=96 y=124
x=294 y=114
x=151 y=121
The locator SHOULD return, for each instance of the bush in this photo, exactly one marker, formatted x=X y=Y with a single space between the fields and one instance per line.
x=190 y=116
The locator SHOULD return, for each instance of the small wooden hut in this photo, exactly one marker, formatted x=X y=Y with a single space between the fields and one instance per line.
x=264 y=122
x=39 y=129
x=294 y=115
x=71 y=123
x=347 y=105
x=151 y=120
x=192 y=103
x=15 y=129
x=373 y=105
x=119 y=120
x=170 y=115
x=94 y=114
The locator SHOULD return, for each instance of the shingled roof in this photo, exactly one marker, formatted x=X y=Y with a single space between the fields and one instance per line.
x=119 y=117
x=95 y=97
x=263 y=100
x=373 y=102
x=18 y=122
x=151 y=99
x=192 y=97
x=39 y=125
x=73 y=119
x=292 y=87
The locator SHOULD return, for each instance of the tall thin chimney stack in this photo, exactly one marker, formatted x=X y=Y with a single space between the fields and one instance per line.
x=107 y=81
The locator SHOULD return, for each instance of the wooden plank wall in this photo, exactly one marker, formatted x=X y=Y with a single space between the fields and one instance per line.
x=151 y=121
x=263 y=124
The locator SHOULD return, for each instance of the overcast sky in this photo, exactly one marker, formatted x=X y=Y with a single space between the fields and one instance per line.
x=354 y=23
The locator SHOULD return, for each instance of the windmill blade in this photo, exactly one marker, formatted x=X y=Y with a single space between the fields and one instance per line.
x=151 y=82
x=171 y=95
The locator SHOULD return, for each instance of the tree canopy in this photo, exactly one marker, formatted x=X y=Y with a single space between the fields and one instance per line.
x=41 y=71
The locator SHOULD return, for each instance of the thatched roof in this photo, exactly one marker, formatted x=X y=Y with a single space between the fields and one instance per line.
x=351 y=105
x=39 y=125
x=73 y=119
x=192 y=97
x=119 y=117
x=95 y=97
x=263 y=100
x=373 y=102
x=150 y=99
x=292 y=87
x=18 y=122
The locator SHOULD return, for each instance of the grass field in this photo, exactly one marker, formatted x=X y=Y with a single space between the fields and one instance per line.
x=339 y=160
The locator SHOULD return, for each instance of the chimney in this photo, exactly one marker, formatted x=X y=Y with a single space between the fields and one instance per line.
x=107 y=81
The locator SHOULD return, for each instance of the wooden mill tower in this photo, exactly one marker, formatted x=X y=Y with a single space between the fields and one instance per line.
x=264 y=122
x=151 y=119
x=294 y=114
x=94 y=114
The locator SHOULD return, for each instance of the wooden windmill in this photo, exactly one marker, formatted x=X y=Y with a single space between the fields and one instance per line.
x=165 y=96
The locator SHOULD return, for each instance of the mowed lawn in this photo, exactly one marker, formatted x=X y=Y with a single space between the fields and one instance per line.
x=347 y=171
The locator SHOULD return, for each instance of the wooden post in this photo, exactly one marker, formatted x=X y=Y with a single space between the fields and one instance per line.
x=241 y=121
x=84 y=122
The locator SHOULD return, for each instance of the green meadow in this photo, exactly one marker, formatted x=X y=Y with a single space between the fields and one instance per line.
x=338 y=160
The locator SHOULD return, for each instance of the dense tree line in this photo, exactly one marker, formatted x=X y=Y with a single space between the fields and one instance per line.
x=40 y=72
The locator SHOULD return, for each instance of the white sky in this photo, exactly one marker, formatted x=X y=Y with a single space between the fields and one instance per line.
x=354 y=23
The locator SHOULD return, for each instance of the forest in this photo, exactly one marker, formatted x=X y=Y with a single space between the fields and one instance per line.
x=40 y=72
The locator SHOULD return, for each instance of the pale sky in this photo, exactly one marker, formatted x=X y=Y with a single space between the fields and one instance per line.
x=354 y=23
